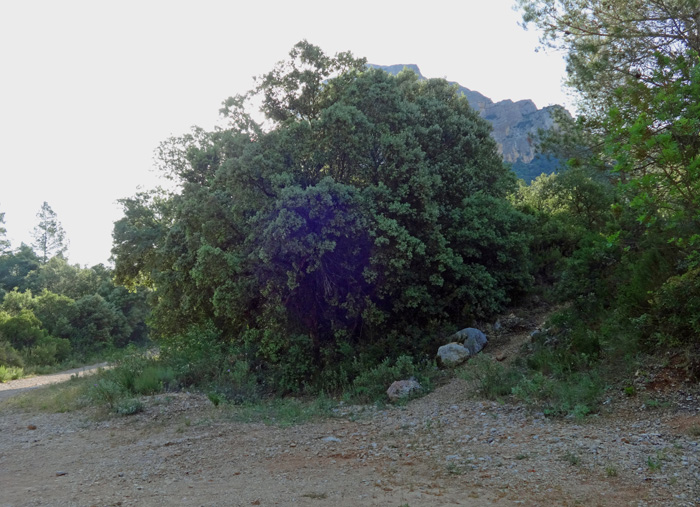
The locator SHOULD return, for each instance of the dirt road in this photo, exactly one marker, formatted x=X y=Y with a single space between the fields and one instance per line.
x=443 y=449
x=14 y=387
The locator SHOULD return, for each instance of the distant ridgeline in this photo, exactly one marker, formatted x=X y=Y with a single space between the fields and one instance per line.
x=514 y=126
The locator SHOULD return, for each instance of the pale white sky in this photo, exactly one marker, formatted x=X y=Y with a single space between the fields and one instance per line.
x=88 y=89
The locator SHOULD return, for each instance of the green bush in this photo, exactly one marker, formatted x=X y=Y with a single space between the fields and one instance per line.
x=8 y=373
x=128 y=406
x=576 y=395
x=493 y=380
x=676 y=309
x=197 y=356
x=105 y=391
x=9 y=356
x=371 y=214
x=239 y=384
x=48 y=350
x=153 y=379
x=22 y=330
x=370 y=386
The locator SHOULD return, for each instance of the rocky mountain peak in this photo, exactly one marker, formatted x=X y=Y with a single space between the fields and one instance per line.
x=515 y=124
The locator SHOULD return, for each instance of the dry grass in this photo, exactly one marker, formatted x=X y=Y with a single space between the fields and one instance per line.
x=55 y=398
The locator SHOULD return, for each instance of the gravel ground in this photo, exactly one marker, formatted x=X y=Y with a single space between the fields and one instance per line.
x=443 y=449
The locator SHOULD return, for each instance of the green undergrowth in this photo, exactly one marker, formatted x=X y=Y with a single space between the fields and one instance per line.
x=567 y=370
x=573 y=395
x=8 y=373
x=236 y=388
x=118 y=389
x=112 y=356
x=283 y=411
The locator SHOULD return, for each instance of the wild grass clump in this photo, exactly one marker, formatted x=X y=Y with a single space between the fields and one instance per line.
x=370 y=386
x=134 y=374
x=284 y=411
x=493 y=380
x=56 y=398
x=128 y=406
x=153 y=379
x=8 y=373
x=105 y=391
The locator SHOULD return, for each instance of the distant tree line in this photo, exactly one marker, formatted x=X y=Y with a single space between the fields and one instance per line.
x=51 y=311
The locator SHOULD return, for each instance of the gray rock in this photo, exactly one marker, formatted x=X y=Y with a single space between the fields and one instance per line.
x=511 y=323
x=451 y=355
x=474 y=340
x=402 y=389
x=513 y=123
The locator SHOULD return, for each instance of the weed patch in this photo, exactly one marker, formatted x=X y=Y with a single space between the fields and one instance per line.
x=284 y=411
x=493 y=380
x=8 y=373
x=370 y=386
x=57 y=398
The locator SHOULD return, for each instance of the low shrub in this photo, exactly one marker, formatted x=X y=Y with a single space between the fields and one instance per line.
x=238 y=384
x=9 y=356
x=105 y=391
x=370 y=386
x=153 y=379
x=676 y=310
x=47 y=351
x=8 y=373
x=493 y=380
x=197 y=356
x=128 y=406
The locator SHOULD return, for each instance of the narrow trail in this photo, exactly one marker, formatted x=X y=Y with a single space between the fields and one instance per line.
x=15 y=387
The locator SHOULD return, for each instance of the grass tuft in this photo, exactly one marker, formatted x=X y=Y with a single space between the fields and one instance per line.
x=8 y=373
x=57 y=398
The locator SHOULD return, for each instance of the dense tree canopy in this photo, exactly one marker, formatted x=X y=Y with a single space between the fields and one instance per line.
x=367 y=213
x=51 y=311
x=609 y=42
x=635 y=66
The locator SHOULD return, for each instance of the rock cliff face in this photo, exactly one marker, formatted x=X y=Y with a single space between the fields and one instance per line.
x=514 y=123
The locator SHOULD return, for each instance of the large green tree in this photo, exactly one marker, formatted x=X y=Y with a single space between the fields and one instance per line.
x=49 y=236
x=636 y=69
x=367 y=213
x=609 y=42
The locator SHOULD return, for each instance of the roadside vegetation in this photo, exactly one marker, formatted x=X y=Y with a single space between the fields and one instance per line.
x=56 y=316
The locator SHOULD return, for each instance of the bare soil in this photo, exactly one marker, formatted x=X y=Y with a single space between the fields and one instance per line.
x=446 y=448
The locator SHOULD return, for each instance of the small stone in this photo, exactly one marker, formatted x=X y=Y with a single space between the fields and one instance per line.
x=31 y=427
x=61 y=473
x=402 y=389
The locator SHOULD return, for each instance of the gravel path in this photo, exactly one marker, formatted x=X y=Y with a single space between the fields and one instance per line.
x=14 y=387
x=443 y=449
